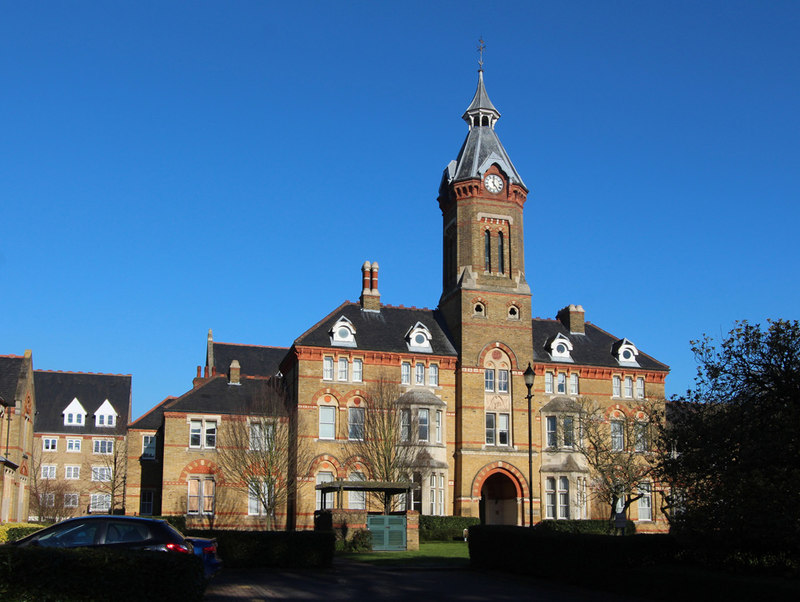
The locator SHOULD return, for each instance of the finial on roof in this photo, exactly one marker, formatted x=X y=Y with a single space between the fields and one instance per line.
x=481 y=48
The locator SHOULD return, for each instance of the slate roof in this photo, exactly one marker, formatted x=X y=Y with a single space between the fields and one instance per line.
x=254 y=360
x=383 y=330
x=10 y=368
x=55 y=391
x=154 y=418
x=594 y=348
x=217 y=396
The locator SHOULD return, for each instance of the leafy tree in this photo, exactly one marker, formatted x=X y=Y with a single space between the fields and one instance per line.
x=732 y=445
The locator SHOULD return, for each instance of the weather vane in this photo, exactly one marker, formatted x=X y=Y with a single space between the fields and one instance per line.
x=481 y=48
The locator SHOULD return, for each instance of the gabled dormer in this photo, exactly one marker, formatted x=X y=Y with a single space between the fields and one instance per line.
x=418 y=338
x=106 y=415
x=625 y=353
x=343 y=333
x=74 y=414
x=560 y=348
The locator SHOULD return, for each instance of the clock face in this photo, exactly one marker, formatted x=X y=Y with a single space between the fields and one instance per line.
x=493 y=183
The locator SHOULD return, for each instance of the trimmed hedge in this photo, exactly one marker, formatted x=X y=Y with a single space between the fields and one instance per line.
x=251 y=549
x=444 y=528
x=15 y=531
x=45 y=574
x=589 y=527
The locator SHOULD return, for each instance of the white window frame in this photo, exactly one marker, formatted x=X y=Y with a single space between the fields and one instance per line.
x=405 y=425
x=548 y=383
x=550 y=498
x=148 y=447
x=49 y=444
x=551 y=431
x=201 y=501
x=574 y=384
x=563 y=498
x=616 y=386
x=561 y=383
x=419 y=373
x=502 y=381
x=357 y=500
x=568 y=428
x=423 y=424
x=640 y=443
x=628 y=387
x=72 y=472
x=48 y=500
x=100 y=502
x=405 y=373
x=203 y=433
x=645 y=502
x=73 y=445
x=103 y=447
x=261 y=435
x=343 y=370
x=101 y=474
x=488 y=380
x=327 y=422
x=49 y=471
x=640 y=388
x=503 y=429
x=355 y=425
x=327 y=368
x=71 y=500
x=257 y=490
x=491 y=428
x=358 y=370
x=617 y=429
x=433 y=375
x=440 y=498
x=438 y=426
x=324 y=476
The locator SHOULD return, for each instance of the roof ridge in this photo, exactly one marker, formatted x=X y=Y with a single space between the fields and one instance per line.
x=153 y=409
x=414 y=307
x=79 y=372
x=328 y=315
x=12 y=356
x=249 y=345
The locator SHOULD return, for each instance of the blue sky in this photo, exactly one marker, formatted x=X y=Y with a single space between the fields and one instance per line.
x=170 y=167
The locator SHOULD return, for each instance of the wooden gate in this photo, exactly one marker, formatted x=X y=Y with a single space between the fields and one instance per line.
x=388 y=531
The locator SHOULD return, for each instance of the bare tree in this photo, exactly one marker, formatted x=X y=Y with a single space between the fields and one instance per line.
x=109 y=471
x=618 y=446
x=48 y=500
x=257 y=449
x=383 y=436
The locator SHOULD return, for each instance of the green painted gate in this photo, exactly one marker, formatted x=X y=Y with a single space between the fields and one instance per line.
x=388 y=531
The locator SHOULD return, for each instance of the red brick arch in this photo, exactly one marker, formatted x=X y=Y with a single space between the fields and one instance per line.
x=320 y=394
x=504 y=468
x=316 y=462
x=200 y=467
x=356 y=462
x=503 y=347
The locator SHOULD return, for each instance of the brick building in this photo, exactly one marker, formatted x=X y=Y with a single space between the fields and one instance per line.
x=458 y=370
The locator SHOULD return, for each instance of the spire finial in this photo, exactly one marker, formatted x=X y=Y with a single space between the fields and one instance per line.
x=481 y=48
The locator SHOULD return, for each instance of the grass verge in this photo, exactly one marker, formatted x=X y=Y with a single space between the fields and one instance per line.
x=435 y=554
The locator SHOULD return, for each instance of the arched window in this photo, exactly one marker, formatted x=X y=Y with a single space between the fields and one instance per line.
x=487 y=251
x=501 y=263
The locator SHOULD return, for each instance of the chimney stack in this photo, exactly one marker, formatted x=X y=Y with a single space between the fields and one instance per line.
x=370 y=297
x=572 y=317
x=234 y=377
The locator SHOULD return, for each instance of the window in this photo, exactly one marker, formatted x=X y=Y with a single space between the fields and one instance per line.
x=72 y=472
x=103 y=446
x=405 y=373
x=48 y=471
x=550 y=497
x=73 y=445
x=261 y=434
x=562 y=383
x=552 y=431
x=259 y=498
x=101 y=474
x=502 y=381
x=502 y=429
x=438 y=426
x=563 y=497
x=357 y=499
x=203 y=434
x=104 y=420
x=146 y=502
x=327 y=422
x=640 y=388
x=501 y=259
x=548 y=382
x=100 y=502
x=433 y=375
x=49 y=443
x=488 y=380
x=645 y=502
x=640 y=432
x=617 y=435
x=326 y=500
x=70 y=500
x=569 y=431
x=405 y=425
x=419 y=374
x=573 y=384
x=148 y=447
x=327 y=368
x=343 y=369
x=358 y=371
x=616 y=387
x=355 y=423
x=200 y=495
x=423 y=424
x=440 y=498
x=628 y=387
x=432 y=493
x=487 y=251
x=582 y=498
x=48 y=499
x=490 y=427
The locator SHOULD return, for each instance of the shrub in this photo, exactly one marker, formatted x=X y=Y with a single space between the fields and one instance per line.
x=361 y=541
x=33 y=573
x=444 y=528
x=247 y=549
x=594 y=527
x=179 y=521
x=15 y=531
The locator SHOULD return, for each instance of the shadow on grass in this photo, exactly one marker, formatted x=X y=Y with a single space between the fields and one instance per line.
x=451 y=555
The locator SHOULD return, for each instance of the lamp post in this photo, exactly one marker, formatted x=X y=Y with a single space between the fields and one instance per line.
x=528 y=376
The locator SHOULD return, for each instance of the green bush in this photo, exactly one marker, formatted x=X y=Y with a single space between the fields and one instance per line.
x=295 y=549
x=594 y=527
x=361 y=541
x=15 y=531
x=45 y=574
x=444 y=528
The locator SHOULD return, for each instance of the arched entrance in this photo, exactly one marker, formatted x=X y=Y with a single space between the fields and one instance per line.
x=498 y=504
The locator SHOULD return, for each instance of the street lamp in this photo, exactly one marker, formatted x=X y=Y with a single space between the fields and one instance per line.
x=528 y=376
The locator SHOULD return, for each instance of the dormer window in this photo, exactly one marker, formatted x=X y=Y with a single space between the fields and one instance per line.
x=343 y=333
x=74 y=414
x=418 y=338
x=105 y=416
x=625 y=352
x=560 y=348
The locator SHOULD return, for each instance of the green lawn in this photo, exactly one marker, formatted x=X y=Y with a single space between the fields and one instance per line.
x=450 y=554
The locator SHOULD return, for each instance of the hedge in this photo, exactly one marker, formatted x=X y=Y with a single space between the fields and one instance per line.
x=444 y=528
x=45 y=574
x=589 y=527
x=295 y=549
x=15 y=531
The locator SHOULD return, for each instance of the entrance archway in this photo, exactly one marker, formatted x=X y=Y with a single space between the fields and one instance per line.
x=498 y=504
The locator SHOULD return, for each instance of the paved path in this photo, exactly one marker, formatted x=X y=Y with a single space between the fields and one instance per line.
x=348 y=580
